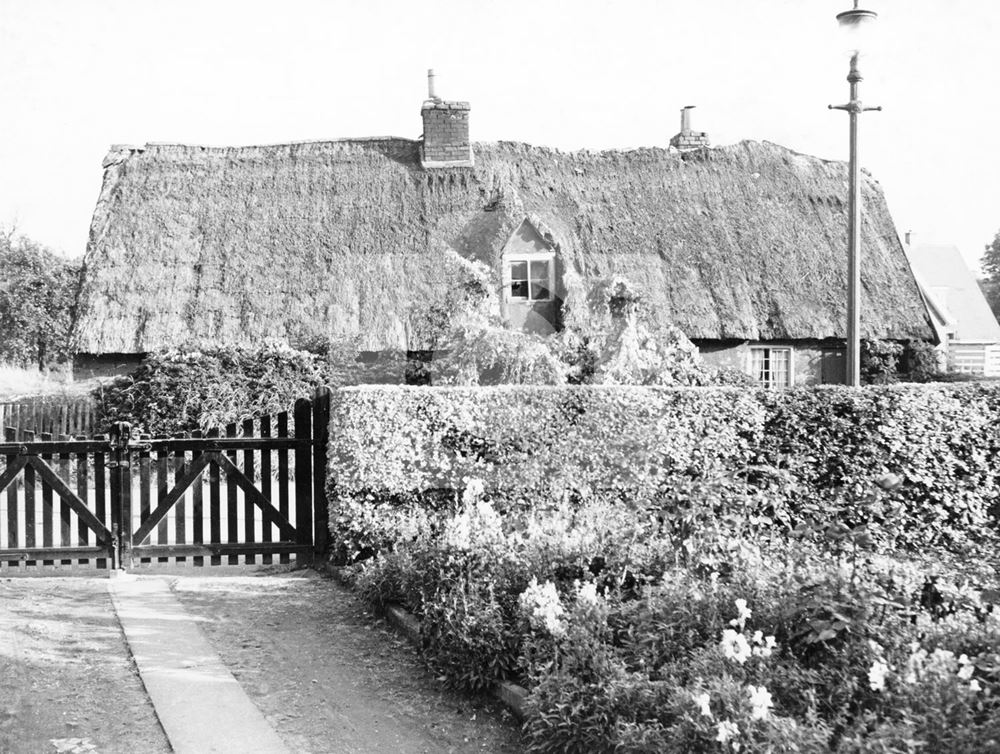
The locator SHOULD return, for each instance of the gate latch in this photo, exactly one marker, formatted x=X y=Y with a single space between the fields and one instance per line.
x=121 y=435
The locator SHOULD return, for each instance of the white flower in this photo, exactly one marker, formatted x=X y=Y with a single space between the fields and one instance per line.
x=727 y=729
x=743 y=614
x=765 y=644
x=967 y=668
x=876 y=675
x=473 y=492
x=586 y=592
x=544 y=608
x=760 y=702
x=702 y=701
x=477 y=524
x=458 y=532
x=734 y=646
x=974 y=685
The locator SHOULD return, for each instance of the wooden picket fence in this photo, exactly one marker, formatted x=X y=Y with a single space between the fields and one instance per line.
x=53 y=415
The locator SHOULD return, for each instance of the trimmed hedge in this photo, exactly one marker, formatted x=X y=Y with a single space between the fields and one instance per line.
x=399 y=449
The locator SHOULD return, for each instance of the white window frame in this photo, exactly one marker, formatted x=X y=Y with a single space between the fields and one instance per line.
x=509 y=260
x=770 y=383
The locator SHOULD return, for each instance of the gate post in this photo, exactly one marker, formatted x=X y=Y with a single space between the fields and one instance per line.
x=121 y=493
x=321 y=439
x=303 y=475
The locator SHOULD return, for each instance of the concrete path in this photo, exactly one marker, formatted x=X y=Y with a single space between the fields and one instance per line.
x=200 y=704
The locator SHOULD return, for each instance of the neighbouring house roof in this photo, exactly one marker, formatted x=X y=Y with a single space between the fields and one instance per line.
x=353 y=237
x=953 y=294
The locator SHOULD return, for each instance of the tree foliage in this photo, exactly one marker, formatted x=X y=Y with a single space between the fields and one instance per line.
x=991 y=275
x=37 y=295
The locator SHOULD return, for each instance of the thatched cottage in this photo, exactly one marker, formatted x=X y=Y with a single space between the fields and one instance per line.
x=742 y=247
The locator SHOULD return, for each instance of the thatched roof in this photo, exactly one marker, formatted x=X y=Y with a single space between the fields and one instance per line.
x=352 y=237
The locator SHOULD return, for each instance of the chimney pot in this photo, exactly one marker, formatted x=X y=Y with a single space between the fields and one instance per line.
x=430 y=84
x=688 y=139
x=686 y=118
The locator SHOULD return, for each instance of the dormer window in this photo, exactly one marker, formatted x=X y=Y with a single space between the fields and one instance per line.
x=530 y=279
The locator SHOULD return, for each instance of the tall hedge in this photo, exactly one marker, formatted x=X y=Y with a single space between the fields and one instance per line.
x=398 y=449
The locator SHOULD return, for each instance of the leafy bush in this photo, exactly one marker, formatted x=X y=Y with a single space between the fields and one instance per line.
x=175 y=391
x=796 y=456
x=880 y=361
x=920 y=361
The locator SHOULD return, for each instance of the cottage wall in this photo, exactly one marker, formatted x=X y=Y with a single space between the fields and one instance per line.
x=814 y=362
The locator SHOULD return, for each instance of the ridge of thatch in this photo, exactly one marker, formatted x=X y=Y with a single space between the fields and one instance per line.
x=353 y=238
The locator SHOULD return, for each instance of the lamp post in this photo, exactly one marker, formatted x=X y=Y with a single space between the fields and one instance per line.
x=855 y=22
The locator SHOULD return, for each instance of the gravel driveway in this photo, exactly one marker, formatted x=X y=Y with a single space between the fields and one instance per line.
x=328 y=676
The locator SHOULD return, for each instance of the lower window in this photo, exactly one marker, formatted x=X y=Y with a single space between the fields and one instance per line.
x=772 y=367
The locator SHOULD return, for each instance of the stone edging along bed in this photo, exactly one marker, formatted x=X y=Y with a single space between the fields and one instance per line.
x=510 y=694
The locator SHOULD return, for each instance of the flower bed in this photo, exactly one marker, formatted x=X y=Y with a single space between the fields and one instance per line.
x=810 y=570
x=631 y=638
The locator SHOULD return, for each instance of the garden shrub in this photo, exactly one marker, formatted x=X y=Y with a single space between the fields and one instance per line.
x=392 y=448
x=879 y=361
x=175 y=392
x=797 y=457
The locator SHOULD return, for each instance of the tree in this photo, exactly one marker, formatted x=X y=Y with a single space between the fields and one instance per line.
x=37 y=295
x=990 y=283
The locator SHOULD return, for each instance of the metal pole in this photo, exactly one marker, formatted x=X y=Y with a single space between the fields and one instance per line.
x=853 y=378
x=854 y=108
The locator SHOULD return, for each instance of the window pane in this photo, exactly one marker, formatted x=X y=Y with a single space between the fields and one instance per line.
x=519 y=289
x=518 y=271
x=539 y=291
x=758 y=365
x=780 y=363
x=540 y=271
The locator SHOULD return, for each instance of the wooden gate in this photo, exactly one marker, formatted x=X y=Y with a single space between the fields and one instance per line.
x=253 y=494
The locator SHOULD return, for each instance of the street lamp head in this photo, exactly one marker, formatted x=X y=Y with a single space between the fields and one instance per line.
x=857 y=28
x=856 y=17
x=857 y=25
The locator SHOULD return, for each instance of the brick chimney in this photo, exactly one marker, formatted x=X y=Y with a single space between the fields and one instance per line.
x=446 y=131
x=688 y=139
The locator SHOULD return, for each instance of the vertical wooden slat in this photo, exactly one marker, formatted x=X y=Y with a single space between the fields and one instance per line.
x=162 y=484
x=145 y=486
x=82 y=491
x=303 y=474
x=48 y=526
x=232 y=514
x=100 y=491
x=64 y=509
x=249 y=509
x=125 y=503
x=283 y=474
x=180 y=509
x=197 y=513
x=214 y=504
x=29 y=501
x=320 y=431
x=265 y=484
x=10 y=435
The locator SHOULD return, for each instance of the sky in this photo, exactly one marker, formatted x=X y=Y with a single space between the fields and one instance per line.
x=77 y=76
